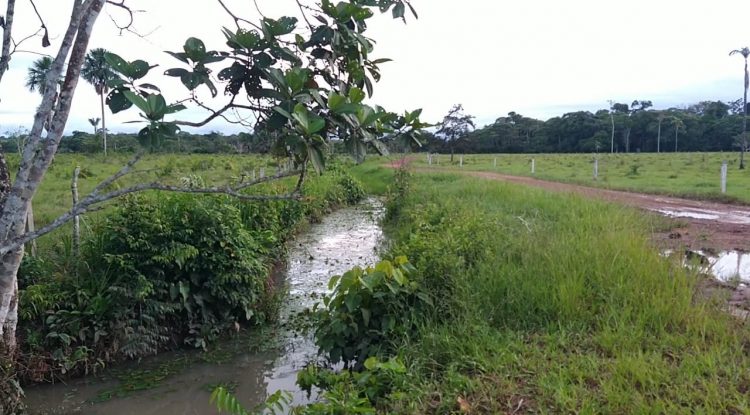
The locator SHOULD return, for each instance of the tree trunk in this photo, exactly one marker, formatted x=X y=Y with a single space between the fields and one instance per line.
x=627 y=140
x=104 y=124
x=676 y=132
x=451 y=154
x=658 y=139
x=10 y=394
x=744 y=119
x=612 y=140
x=38 y=153
x=77 y=219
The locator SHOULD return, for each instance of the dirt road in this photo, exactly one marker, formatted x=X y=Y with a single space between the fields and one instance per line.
x=704 y=225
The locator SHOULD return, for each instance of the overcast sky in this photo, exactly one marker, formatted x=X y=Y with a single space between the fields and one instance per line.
x=540 y=58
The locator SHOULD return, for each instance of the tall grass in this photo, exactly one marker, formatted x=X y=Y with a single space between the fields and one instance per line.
x=560 y=305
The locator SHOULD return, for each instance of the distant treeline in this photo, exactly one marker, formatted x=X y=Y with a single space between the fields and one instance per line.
x=706 y=126
x=184 y=142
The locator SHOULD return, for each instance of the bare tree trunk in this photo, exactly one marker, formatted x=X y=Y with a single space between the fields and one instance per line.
x=31 y=227
x=104 y=124
x=658 y=139
x=10 y=393
x=76 y=219
x=744 y=119
x=676 y=132
x=7 y=31
x=612 y=140
x=38 y=152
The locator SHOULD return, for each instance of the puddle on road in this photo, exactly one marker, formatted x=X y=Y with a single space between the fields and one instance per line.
x=735 y=216
x=344 y=239
x=726 y=266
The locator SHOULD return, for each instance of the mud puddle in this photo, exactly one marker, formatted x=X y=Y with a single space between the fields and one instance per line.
x=344 y=239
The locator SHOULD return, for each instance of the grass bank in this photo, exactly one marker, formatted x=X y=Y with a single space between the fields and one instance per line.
x=549 y=303
x=690 y=175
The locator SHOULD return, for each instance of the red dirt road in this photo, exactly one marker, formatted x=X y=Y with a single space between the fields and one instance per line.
x=705 y=225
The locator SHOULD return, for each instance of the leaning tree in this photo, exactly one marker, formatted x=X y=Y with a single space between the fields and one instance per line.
x=745 y=52
x=303 y=82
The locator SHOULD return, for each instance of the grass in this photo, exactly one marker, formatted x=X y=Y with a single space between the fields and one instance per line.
x=558 y=308
x=692 y=175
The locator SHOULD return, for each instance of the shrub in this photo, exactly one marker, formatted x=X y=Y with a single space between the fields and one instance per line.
x=368 y=307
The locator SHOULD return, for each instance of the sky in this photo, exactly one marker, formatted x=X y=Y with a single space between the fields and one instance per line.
x=539 y=58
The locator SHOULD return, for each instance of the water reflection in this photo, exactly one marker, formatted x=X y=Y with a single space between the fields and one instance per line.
x=343 y=239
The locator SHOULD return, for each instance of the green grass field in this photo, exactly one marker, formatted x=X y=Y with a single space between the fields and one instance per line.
x=554 y=308
x=54 y=195
x=693 y=175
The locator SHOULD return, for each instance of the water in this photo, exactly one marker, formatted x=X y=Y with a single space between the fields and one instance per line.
x=738 y=217
x=344 y=239
x=726 y=266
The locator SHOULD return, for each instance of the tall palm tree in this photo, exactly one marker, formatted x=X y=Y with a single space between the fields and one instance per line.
x=660 y=118
x=745 y=52
x=36 y=78
x=94 y=123
x=97 y=72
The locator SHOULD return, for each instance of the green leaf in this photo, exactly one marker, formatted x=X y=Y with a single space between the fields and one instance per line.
x=138 y=69
x=398 y=10
x=137 y=100
x=182 y=57
x=117 y=101
x=178 y=72
x=356 y=95
x=335 y=101
x=195 y=49
x=317 y=158
x=117 y=63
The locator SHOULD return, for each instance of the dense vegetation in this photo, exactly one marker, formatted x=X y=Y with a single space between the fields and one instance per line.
x=706 y=126
x=160 y=271
x=537 y=303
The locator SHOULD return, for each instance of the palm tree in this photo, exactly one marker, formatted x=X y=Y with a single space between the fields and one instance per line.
x=97 y=72
x=36 y=78
x=660 y=118
x=94 y=123
x=745 y=52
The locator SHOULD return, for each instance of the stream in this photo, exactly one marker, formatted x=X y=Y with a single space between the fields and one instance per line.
x=344 y=239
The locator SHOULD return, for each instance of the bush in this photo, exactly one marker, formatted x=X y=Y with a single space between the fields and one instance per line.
x=369 y=307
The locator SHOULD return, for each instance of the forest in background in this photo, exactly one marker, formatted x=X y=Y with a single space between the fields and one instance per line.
x=705 y=126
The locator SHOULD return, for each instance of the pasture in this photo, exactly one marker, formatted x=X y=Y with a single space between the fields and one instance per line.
x=690 y=175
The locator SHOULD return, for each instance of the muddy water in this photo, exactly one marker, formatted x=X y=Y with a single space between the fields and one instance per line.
x=344 y=239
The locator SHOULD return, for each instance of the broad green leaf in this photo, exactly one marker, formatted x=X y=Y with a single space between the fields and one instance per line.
x=137 y=100
x=356 y=95
x=195 y=49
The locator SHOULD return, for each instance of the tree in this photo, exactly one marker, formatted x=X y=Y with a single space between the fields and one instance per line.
x=455 y=126
x=305 y=83
x=745 y=52
x=98 y=73
x=678 y=125
x=94 y=123
x=660 y=119
x=36 y=78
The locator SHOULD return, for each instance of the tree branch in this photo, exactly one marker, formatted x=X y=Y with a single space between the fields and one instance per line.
x=216 y=113
x=93 y=200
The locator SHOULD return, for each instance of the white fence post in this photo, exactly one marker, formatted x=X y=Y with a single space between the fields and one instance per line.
x=461 y=161
x=533 y=166
x=596 y=169
x=262 y=172
x=494 y=163
x=724 y=176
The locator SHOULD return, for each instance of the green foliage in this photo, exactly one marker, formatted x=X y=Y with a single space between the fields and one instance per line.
x=277 y=67
x=367 y=309
x=162 y=270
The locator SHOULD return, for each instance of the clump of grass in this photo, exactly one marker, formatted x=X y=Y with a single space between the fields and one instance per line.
x=566 y=308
